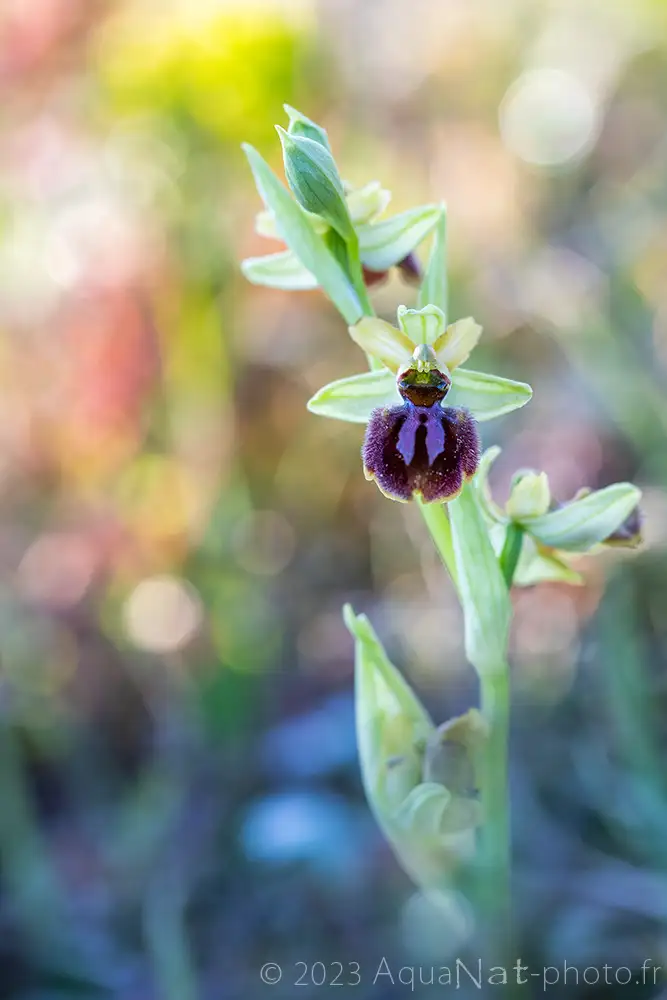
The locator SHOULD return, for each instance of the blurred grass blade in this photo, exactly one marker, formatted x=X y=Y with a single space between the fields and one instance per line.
x=356 y=397
x=279 y=270
x=487 y=396
x=484 y=596
x=579 y=525
x=302 y=239
x=434 y=286
x=385 y=243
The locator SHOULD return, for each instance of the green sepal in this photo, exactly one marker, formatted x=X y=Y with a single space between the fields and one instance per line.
x=579 y=525
x=422 y=326
x=354 y=398
x=383 y=244
x=279 y=270
x=487 y=396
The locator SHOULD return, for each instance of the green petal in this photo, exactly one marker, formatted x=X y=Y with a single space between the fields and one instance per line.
x=434 y=286
x=385 y=243
x=279 y=270
x=301 y=238
x=356 y=397
x=579 y=525
x=486 y=396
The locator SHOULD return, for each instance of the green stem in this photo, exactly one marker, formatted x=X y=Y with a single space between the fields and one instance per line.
x=496 y=831
x=437 y=521
x=357 y=276
x=509 y=557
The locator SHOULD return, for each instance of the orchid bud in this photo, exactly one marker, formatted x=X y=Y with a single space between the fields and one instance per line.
x=305 y=127
x=313 y=177
x=530 y=496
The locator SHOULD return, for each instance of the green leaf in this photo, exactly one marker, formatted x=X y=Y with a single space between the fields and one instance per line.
x=301 y=238
x=391 y=721
x=385 y=243
x=279 y=270
x=313 y=177
x=486 y=396
x=429 y=829
x=434 y=286
x=581 y=524
x=306 y=128
x=356 y=397
x=484 y=596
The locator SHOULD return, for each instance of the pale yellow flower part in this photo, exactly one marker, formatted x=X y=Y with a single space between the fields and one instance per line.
x=383 y=341
x=530 y=496
x=458 y=341
x=366 y=203
x=395 y=348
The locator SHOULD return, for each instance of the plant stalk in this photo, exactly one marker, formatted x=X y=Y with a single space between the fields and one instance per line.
x=357 y=276
x=509 y=557
x=496 y=832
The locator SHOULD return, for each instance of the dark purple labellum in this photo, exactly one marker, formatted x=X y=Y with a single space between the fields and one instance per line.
x=430 y=450
x=409 y=267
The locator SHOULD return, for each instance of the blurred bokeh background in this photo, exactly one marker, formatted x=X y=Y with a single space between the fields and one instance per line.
x=180 y=799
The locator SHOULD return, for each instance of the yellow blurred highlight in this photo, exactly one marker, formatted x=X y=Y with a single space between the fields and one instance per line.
x=230 y=69
x=161 y=502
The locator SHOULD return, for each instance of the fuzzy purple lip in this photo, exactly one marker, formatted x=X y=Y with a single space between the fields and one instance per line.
x=430 y=450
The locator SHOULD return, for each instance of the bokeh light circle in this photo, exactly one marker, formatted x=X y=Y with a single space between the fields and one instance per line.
x=549 y=118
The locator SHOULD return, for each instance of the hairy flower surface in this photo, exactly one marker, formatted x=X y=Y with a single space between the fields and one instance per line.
x=421 y=447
